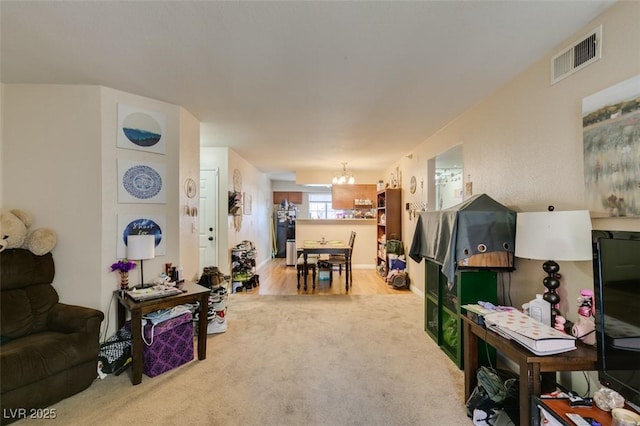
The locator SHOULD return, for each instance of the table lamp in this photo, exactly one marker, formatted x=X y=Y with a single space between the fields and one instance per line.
x=141 y=247
x=556 y=235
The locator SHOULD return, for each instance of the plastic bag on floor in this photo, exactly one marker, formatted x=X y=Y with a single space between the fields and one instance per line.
x=115 y=352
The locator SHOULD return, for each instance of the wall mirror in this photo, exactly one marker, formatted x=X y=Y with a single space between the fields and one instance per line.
x=448 y=182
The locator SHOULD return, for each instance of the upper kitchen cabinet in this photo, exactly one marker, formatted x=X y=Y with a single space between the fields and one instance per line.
x=343 y=197
x=291 y=197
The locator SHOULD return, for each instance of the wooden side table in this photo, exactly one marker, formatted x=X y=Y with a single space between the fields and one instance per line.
x=194 y=293
x=535 y=370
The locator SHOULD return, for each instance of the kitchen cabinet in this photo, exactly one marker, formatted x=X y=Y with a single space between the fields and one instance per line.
x=443 y=301
x=294 y=197
x=389 y=224
x=343 y=196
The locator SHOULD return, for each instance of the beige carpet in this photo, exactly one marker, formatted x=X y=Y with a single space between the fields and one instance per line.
x=294 y=360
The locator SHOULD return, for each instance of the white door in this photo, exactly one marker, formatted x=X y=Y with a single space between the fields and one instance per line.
x=208 y=218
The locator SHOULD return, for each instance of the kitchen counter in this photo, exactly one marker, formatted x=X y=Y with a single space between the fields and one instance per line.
x=337 y=221
x=365 y=247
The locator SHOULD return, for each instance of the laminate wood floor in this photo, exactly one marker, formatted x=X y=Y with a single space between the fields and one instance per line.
x=276 y=278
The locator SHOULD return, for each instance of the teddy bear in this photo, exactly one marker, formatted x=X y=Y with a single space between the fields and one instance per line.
x=15 y=233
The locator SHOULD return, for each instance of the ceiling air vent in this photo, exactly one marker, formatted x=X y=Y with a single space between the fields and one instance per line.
x=577 y=56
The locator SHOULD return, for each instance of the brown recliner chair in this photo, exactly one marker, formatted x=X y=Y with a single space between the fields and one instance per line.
x=48 y=350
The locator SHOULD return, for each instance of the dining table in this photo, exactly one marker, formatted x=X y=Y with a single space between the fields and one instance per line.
x=329 y=247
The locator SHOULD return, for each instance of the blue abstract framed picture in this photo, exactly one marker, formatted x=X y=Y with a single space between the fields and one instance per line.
x=140 y=182
x=141 y=130
x=140 y=224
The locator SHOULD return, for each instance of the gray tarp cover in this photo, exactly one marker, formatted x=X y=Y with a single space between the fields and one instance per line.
x=450 y=235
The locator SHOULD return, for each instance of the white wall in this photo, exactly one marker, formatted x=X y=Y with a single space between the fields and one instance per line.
x=523 y=147
x=60 y=159
x=52 y=169
x=189 y=146
x=257 y=226
x=1 y=145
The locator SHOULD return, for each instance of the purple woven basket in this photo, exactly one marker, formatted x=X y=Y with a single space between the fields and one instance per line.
x=172 y=345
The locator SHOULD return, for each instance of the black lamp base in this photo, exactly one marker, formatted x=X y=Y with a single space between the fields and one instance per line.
x=142 y=284
x=552 y=282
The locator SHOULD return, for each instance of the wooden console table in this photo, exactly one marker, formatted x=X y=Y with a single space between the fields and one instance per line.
x=535 y=371
x=194 y=293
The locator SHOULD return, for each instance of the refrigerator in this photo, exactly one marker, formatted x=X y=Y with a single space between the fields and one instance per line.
x=285 y=230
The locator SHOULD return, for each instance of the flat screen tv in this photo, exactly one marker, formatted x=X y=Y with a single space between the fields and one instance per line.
x=616 y=273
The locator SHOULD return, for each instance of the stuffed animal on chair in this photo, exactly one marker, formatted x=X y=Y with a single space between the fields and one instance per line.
x=15 y=233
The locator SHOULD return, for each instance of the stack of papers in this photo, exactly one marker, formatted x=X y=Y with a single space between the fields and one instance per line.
x=530 y=333
x=477 y=309
x=155 y=292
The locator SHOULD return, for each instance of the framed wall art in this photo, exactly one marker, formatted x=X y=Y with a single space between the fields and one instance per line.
x=246 y=203
x=140 y=224
x=611 y=143
x=141 y=182
x=141 y=130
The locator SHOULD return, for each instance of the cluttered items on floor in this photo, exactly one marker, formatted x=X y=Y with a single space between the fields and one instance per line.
x=494 y=401
x=115 y=353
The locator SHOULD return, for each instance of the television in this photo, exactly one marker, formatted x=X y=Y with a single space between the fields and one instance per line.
x=616 y=273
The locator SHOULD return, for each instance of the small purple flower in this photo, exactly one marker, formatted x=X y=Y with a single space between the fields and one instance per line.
x=123 y=265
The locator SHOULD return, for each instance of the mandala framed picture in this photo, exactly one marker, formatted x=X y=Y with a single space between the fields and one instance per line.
x=141 y=182
x=141 y=130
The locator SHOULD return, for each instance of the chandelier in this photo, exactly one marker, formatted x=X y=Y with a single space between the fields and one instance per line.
x=345 y=177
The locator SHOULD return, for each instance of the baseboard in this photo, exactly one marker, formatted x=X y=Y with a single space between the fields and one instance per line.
x=417 y=291
x=363 y=266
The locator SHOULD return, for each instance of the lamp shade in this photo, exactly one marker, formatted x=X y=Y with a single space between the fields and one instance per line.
x=554 y=235
x=141 y=247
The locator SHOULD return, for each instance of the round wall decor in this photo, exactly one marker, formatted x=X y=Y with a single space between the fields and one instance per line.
x=412 y=184
x=142 y=182
x=190 y=187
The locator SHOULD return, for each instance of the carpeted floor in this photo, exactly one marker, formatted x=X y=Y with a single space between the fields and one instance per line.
x=294 y=360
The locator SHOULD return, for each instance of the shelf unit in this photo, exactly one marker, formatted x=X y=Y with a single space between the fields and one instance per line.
x=243 y=267
x=361 y=209
x=389 y=224
x=443 y=307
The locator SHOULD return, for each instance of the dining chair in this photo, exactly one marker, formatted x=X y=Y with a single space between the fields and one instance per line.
x=312 y=264
x=339 y=259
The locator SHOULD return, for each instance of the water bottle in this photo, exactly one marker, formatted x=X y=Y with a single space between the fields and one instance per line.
x=540 y=309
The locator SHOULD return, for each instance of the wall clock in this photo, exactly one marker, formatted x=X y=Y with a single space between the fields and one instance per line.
x=190 y=187
x=412 y=184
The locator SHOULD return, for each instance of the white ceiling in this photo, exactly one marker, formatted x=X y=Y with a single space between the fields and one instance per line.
x=294 y=84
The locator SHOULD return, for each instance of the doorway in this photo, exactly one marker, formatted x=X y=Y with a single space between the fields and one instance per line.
x=208 y=218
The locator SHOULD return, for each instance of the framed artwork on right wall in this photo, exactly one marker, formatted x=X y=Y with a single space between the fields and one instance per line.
x=611 y=144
